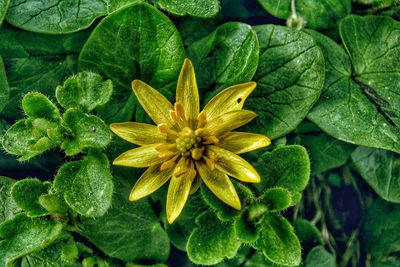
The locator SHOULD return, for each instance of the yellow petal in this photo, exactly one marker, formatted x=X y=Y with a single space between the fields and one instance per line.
x=138 y=133
x=229 y=121
x=239 y=142
x=178 y=192
x=220 y=184
x=140 y=157
x=151 y=180
x=230 y=99
x=187 y=93
x=153 y=102
x=235 y=166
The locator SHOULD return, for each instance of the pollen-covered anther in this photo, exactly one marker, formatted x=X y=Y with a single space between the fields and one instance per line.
x=211 y=139
x=176 y=119
x=181 y=113
x=197 y=153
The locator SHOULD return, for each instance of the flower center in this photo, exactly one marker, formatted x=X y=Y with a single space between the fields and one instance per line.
x=185 y=144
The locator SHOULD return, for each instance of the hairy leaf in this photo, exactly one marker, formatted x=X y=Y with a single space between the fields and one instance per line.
x=87 y=131
x=212 y=241
x=201 y=9
x=278 y=241
x=129 y=231
x=36 y=105
x=123 y=49
x=8 y=208
x=36 y=63
x=319 y=257
x=381 y=169
x=287 y=167
x=289 y=78
x=23 y=235
x=87 y=185
x=55 y=16
x=361 y=107
x=26 y=195
x=227 y=56
x=277 y=199
x=3 y=9
x=86 y=91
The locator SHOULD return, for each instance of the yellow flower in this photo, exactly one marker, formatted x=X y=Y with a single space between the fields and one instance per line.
x=186 y=141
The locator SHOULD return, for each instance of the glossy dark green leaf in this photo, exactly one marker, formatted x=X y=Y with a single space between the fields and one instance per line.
x=86 y=91
x=319 y=257
x=113 y=5
x=380 y=235
x=4 y=89
x=201 y=9
x=129 y=231
x=55 y=16
x=26 y=193
x=36 y=63
x=193 y=29
x=87 y=185
x=37 y=105
x=8 y=208
x=148 y=48
x=23 y=235
x=227 y=56
x=212 y=241
x=3 y=9
x=287 y=167
x=22 y=139
x=326 y=152
x=87 y=131
x=318 y=14
x=278 y=241
x=289 y=78
x=381 y=169
x=179 y=231
x=361 y=107
x=277 y=198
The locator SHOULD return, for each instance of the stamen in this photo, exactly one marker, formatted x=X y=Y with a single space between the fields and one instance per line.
x=169 y=163
x=211 y=154
x=201 y=132
x=186 y=132
x=197 y=153
x=201 y=119
x=192 y=172
x=210 y=162
x=181 y=113
x=176 y=119
x=211 y=140
x=167 y=155
x=164 y=128
x=165 y=147
x=182 y=167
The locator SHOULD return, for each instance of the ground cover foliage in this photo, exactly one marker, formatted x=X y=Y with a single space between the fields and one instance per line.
x=327 y=95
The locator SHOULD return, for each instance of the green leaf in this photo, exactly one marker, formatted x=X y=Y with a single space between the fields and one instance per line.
x=55 y=16
x=319 y=257
x=201 y=9
x=381 y=237
x=308 y=233
x=26 y=193
x=225 y=212
x=4 y=89
x=129 y=231
x=238 y=260
x=148 y=48
x=326 y=152
x=113 y=5
x=289 y=78
x=3 y=9
x=179 y=231
x=36 y=105
x=36 y=63
x=8 y=208
x=86 y=91
x=23 y=140
x=245 y=228
x=212 y=241
x=24 y=235
x=87 y=185
x=87 y=131
x=318 y=14
x=277 y=199
x=53 y=203
x=381 y=170
x=193 y=29
x=227 y=56
x=278 y=241
x=360 y=107
x=258 y=260
x=287 y=167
